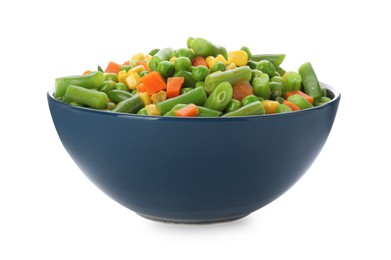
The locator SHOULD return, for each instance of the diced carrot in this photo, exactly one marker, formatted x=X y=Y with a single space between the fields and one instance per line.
x=144 y=63
x=307 y=97
x=113 y=67
x=153 y=82
x=140 y=88
x=241 y=90
x=187 y=111
x=291 y=105
x=126 y=62
x=86 y=72
x=199 y=61
x=174 y=85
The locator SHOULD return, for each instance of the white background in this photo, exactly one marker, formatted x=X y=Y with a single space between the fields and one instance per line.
x=339 y=210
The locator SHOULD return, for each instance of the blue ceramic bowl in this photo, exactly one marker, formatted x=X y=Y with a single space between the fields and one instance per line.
x=193 y=170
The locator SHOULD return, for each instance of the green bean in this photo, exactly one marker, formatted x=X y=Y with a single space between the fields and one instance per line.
x=321 y=101
x=107 y=86
x=232 y=76
x=142 y=111
x=276 y=90
x=111 y=76
x=299 y=101
x=196 y=96
x=202 y=111
x=131 y=105
x=292 y=81
x=220 y=97
x=161 y=55
x=92 y=80
x=247 y=50
x=206 y=48
x=254 y=108
x=121 y=86
x=261 y=86
x=117 y=95
x=276 y=59
x=88 y=97
x=283 y=108
x=310 y=81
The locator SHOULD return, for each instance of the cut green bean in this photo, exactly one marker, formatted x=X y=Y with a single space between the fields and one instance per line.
x=220 y=97
x=131 y=105
x=92 y=98
x=92 y=80
x=196 y=96
x=232 y=76
x=254 y=108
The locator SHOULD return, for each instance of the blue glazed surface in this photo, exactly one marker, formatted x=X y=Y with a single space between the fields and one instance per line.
x=193 y=170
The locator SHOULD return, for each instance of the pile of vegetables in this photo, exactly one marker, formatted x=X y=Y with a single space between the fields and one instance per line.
x=201 y=80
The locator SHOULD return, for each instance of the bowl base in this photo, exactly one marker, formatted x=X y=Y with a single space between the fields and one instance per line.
x=192 y=221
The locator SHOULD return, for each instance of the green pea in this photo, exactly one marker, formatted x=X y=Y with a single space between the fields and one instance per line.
x=200 y=72
x=182 y=63
x=266 y=67
x=219 y=66
x=184 y=52
x=166 y=69
x=249 y=99
x=233 y=105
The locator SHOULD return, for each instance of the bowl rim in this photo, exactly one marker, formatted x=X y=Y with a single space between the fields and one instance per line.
x=333 y=93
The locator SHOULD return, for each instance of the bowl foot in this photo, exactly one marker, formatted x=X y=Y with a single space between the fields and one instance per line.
x=192 y=221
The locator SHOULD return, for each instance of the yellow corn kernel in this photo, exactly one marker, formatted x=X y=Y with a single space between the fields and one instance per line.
x=148 y=57
x=121 y=76
x=138 y=56
x=133 y=80
x=240 y=58
x=270 y=106
x=173 y=59
x=136 y=69
x=145 y=97
x=152 y=110
x=231 y=66
x=158 y=97
x=211 y=61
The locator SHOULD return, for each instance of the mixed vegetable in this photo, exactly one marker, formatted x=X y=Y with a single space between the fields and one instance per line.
x=201 y=80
